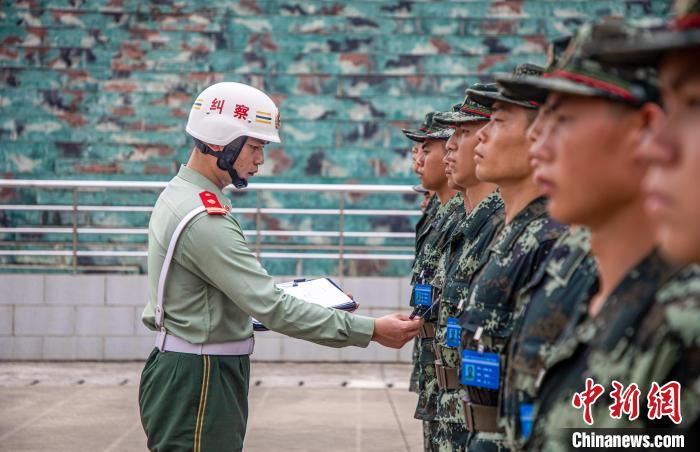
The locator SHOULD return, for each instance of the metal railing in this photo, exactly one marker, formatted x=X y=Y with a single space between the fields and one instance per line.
x=342 y=251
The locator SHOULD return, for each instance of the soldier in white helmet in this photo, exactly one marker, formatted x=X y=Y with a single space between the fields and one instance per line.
x=205 y=284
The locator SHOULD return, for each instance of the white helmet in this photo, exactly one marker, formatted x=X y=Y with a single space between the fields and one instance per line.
x=228 y=110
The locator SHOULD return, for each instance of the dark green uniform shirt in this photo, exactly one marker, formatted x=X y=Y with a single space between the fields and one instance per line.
x=425 y=267
x=516 y=255
x=467 y=254
x=421 y=235
x=425 y=220
x=647 y=331
x=560 y=290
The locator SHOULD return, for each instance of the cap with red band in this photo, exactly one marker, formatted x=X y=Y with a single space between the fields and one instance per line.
x=521 y=99
x=650 y=46
x=429 y=129
x=579 y=73
x=469 y=110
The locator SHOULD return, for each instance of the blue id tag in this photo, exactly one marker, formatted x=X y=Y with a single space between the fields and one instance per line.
x=423 y=295
x=480 y=369
x=526 y=418
x=453 y=335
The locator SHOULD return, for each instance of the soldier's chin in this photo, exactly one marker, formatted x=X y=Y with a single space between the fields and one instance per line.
x=558 y=212
x=677 y=243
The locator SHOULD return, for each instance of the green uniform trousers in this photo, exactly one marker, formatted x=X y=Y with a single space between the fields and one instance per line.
x=194 y=402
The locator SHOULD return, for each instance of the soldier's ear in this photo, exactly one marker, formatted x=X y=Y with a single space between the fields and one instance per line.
x=651 y=116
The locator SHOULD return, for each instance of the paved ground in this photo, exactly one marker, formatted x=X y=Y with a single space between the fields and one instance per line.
x=293 y=407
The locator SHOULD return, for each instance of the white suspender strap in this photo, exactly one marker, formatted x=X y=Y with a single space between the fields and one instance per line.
x=160 y=312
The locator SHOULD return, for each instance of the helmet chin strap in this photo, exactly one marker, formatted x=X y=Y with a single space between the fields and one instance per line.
x=226 y=157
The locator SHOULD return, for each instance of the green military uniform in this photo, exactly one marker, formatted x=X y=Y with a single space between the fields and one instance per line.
x=214 y=286
x=426 y=220
x=561 y=288
x=560 y=291
x=514 y=258
x=434 y=236
x=487 y=320
x=425 y=267
x=468 y=251
x=648 y=331
x=423 y=223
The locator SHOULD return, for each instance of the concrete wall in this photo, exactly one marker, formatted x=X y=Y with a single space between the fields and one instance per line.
x=98 y=317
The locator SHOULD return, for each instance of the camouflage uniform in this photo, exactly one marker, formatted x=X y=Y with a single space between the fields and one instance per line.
x=467 y=254
x=648 y=331
x=516 y=255
x=425 y=220
x=563 y=285
x=423 y=223
x=432 y=242
x=419 y=135
x=559 y=291
x=425 y=267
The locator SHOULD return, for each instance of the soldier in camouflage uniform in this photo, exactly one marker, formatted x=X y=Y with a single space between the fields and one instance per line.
x=674 y=163
x=641 y=326
x=433 y=240
x=564 y=284
x=515 y=255
x=462 y=257
x=561 y=288
x=418 y=137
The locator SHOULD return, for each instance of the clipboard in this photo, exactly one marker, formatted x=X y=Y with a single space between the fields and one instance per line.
x=321 y=291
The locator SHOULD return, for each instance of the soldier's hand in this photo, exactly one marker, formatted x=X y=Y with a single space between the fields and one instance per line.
x=395 y=330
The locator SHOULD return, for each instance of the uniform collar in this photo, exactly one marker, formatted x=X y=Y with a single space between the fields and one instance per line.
x=536 y=209
x=196 y=178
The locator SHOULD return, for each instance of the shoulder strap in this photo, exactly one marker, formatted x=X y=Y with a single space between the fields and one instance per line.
x=160 y=313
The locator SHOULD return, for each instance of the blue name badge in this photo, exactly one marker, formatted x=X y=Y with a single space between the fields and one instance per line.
x=423 y=295
x=526 y=418
x=480 y=369
x=453 y=335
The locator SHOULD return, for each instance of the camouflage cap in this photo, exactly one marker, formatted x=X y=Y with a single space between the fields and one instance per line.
x=650 y=45
x=522 y=87
x=488 y=98
x=469 y=110
x=578 y=73
x=429 y=129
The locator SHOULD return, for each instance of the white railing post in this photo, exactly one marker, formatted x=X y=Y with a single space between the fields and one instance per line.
x=341 y=239
x=74 y=216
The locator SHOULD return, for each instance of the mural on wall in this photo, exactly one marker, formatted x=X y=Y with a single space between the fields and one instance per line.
x=101 y=89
